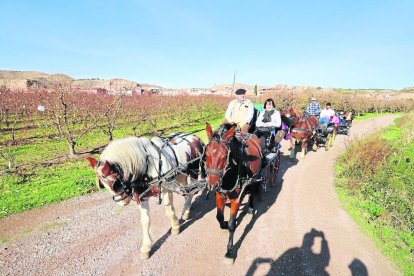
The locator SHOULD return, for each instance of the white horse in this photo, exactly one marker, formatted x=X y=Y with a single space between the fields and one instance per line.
x=134 y=169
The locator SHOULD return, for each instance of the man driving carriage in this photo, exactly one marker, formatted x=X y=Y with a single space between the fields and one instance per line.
x=267 y=122
x=313 y=108
x=240 y=111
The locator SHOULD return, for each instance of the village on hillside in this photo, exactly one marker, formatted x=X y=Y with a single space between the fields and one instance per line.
x=27 y=80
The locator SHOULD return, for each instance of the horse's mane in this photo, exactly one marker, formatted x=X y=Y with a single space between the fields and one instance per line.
x=128 y=154
x=296 y=111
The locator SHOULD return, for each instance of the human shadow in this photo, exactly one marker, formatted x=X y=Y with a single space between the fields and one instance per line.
x=358 y=268
x=199 y=208
x=298 y=260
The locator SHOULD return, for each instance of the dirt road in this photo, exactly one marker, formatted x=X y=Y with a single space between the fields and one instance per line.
x=91 y=235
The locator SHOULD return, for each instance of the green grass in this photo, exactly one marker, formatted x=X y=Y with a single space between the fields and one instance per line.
x=375 y=184
x=44 y=185
x=372 y=115
x=395 y=244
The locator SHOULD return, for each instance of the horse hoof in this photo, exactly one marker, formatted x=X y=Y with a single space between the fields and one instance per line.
x=224 y=225
x=175 y=231
x=250 y=211
x=228 y=260
x=144 y=255
x=185 y=216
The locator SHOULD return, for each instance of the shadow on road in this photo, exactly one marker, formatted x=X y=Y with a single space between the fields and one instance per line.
x=358 y=268
x=298 y=260
x=305 y=260
x=199 y=208
x=265 y=202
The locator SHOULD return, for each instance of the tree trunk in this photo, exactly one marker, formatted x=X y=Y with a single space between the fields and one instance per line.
x=72 y=148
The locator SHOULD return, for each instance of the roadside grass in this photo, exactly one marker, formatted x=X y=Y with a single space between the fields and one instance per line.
x=53 y=225
x=372 y=115
x=38 y=186
x=375 y=184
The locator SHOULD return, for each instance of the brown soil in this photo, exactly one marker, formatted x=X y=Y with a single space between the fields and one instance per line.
x=92 y=235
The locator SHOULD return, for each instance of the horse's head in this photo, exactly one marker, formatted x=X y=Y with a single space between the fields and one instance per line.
x=107 y=176
x=216 y=156
x=290 y=116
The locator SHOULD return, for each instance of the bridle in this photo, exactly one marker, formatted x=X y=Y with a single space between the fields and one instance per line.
x=120 y=187
x=218 y=172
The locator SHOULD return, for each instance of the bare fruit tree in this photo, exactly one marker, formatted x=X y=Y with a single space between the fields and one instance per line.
x=70 y=113
x=111 y=111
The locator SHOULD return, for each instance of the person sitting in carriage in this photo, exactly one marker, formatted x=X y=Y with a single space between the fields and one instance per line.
x=341 y=115
x=326 y=115
x=240 y=111
x=313 y=108
x=267 y=124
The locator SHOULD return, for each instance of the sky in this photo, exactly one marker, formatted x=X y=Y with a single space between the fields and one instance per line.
x=177 y=44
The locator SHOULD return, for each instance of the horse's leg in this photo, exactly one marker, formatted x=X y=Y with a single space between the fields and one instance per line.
x=314 y=146
x=146 y=237
x=167 y=199
x=292 y=148
x=187 y=206
x=235 y=204
x=221 y=203
x=304 y=147
x=251 y=204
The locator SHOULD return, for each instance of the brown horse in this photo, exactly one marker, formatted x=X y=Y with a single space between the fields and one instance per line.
x=302 y=128
x=232 y=173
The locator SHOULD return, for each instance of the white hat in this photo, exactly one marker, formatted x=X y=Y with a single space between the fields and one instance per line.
x=313 y=99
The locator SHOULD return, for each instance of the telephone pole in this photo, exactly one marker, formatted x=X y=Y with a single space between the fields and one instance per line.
x=234 y=81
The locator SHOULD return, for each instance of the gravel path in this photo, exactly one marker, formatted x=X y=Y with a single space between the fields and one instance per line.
x=91 y=235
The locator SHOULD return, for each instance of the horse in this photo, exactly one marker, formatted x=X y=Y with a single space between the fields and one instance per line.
x=135 y=169
x=302 y=129
x=232 y=173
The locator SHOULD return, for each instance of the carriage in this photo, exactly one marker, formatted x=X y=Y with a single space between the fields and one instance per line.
x=345 y=122
x=325 y=135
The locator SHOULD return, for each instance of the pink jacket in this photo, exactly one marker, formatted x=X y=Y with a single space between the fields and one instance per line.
x=334 y=120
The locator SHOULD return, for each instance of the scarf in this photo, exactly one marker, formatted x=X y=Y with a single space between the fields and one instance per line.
x=267 y=116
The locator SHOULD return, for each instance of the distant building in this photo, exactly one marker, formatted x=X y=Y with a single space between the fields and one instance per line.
x=154 y=90
x=96 y=91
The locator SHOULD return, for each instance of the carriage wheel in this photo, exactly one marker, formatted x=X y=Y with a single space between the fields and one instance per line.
x=275 y=170
x=293 y=153
x=328 y=143
x=266 y=174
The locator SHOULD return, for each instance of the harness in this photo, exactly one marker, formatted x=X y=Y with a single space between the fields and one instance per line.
x=145 y=184
x=221 y=172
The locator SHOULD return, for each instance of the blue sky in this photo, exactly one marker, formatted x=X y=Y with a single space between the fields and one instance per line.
x=332 y=43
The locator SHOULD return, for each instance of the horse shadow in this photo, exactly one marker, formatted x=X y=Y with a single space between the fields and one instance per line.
x=263 y=202
x=199 y=208
x=285 y=164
